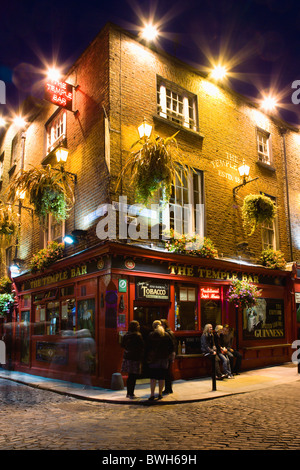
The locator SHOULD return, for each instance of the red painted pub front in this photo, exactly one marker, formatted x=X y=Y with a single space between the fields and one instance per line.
x=69 y=320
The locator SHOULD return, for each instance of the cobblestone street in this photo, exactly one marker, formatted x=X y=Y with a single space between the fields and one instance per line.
x=33 y=419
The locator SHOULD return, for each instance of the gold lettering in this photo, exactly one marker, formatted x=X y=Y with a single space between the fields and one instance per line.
x=190 y=271
x=223 y=274
x=208 y=273
x=255 y=279
x=244 y=277
x=172 y=267
x=181 y=271
x=73 y=272
x=84 y=269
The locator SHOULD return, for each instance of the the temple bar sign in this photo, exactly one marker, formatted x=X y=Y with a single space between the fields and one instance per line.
x=59 y=93
x=209 y=273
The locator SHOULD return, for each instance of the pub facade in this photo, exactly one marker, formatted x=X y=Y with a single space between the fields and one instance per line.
x=104 y=288
x=68 y=319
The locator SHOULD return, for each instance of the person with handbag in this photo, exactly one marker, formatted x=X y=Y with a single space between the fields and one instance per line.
x=159 y=348
x=133 y=345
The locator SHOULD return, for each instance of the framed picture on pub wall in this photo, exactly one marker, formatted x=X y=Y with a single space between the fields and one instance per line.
x=86 y=315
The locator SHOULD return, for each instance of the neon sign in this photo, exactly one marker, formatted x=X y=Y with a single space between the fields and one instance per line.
x=59 y=93
x=212 y=293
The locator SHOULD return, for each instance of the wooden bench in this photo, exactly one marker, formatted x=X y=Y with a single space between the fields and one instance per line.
x=267 y=346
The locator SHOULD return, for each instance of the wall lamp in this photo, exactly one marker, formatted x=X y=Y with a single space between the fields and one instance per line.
x=244 y=173
x=75 y=236
x=61 y=157
x=144 y=130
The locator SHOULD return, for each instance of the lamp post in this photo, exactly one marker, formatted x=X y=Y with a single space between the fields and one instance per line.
x=244 y=171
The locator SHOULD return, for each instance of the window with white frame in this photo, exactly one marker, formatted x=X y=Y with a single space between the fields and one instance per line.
x=176 y=104
x=263 y=146
x=269 y=232
x=55 y=231
x=185 y=211
x=56 y=130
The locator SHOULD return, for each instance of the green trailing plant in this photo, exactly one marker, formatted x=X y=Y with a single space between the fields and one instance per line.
x=257 y=209
x=9 y=224
x=47 y=256
x=243 y=293
x=48 y=189
x=6 y=302
x=190 y=244
x=155 y=165
x=272 y=259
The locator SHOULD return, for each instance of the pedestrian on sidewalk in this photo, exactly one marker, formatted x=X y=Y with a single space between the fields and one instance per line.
x=159 y=347
x=133 y=345
x=235 y=356
x=209 y=349
x=222 y=351
x=169 y=376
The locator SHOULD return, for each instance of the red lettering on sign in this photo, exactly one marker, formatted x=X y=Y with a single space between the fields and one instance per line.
x=212 y=293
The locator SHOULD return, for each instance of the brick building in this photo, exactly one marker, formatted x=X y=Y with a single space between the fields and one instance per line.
x=118 y=82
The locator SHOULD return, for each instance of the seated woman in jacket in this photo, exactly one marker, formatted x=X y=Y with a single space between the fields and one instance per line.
x=133 y=344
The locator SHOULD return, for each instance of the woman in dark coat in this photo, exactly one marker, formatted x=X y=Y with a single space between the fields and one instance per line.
x=159 y=348
x=133 y=344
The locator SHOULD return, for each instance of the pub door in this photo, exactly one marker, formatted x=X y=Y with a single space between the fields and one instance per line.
x=145 y=314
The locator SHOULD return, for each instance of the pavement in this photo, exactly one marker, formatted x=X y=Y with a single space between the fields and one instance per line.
x=184 y=391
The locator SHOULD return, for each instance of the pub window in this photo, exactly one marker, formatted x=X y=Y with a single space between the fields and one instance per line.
x=264 y=146
x=56 y=131
x=54 y=231
x=176 y=104
x=185 y=211
x=211 y=306
x=186 y=311
x=269 y=232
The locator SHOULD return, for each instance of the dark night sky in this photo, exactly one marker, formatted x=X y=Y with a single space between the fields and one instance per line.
x=259 y=39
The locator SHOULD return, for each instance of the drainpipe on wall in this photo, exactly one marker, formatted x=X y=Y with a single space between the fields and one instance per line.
x=283 y=132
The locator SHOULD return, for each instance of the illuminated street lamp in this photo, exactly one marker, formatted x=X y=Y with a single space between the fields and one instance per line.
x=2 y=122
x=149 y=32
x=53 y=74
x=219 y=72
x=144 y=130
x=19 y=121
x=244 y=171
x=269 y=103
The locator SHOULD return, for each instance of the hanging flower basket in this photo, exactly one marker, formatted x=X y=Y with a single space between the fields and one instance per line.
x=257 y=209
x=243 y=294
x=49 y=190
x=9 y=224
x=6 y=302
x=273 y=259
x=192 y=245
x=47 y=256
x=154 y=166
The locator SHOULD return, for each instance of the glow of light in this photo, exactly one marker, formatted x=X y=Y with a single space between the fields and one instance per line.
x=2 y=122
x=269 y=103
x=219 y=72
x=149 y=32
x=53 y=74
x=19 y=121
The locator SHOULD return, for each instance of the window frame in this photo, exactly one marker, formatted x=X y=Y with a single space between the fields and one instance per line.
x=267 y=228
x=56 y=130
x=176 y=104
x=264 y=157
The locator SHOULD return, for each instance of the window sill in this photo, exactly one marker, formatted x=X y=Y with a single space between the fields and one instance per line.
x=266 y=166
x=188 y=132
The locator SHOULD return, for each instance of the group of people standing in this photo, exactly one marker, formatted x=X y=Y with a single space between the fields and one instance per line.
x=218 y=344
x=157 y=352
x=155 y=355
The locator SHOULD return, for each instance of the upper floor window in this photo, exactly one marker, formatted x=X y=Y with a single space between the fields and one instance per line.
x=185 y=211
x=56 y=130
x=269 y=232
x=54 y=230
x=264 y=146
x=176 y=104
